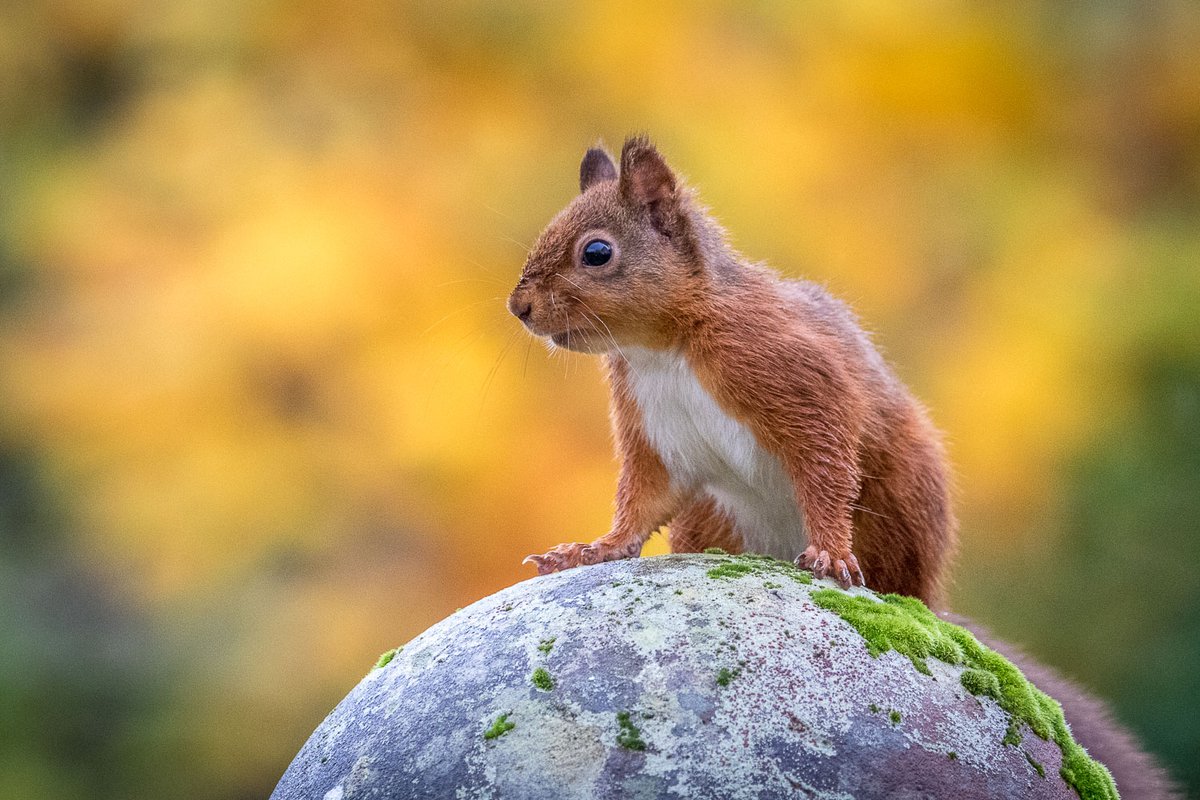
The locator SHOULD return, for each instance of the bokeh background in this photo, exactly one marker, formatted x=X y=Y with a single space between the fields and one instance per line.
x=263 y=414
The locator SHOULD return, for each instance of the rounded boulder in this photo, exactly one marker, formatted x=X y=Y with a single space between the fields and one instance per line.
x=680 y=676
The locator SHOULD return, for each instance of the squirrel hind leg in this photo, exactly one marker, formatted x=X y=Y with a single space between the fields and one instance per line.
x=902 y=554
x=702 y=524
x=904 y=529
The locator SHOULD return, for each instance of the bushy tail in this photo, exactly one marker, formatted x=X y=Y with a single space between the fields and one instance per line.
x=1137 y=774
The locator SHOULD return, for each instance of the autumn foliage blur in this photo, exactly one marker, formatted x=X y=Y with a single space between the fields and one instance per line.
x=263 y=414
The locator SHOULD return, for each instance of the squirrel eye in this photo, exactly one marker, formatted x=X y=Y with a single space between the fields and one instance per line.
x=596 y=253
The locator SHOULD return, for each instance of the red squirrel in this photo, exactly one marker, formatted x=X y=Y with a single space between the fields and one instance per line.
x=750 y=412
x=753 y=413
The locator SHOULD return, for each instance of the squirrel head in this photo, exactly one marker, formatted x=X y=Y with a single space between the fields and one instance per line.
x=613 y=267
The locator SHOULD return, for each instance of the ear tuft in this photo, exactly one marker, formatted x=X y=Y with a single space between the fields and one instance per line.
x=645 y=176
x=597 y=166
x=647 y=182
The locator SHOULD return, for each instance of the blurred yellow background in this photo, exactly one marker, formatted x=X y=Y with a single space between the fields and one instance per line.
x=263 y=414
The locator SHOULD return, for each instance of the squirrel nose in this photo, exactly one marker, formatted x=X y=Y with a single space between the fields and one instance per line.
x=521 y=309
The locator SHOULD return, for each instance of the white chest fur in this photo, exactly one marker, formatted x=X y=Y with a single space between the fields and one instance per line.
x=706 y=450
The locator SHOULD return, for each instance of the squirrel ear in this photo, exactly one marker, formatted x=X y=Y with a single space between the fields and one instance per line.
x=596 y=166
x=647 y=182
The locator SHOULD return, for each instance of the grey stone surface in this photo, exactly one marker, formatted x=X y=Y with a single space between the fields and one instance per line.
x=737 y=687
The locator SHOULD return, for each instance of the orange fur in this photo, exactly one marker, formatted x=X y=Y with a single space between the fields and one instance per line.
x=700 y=525
x=782 y=358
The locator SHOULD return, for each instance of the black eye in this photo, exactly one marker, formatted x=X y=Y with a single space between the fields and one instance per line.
x=596 y=253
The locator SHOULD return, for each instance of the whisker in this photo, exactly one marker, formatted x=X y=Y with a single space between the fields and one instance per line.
x=609 y=334
x=454 y=313
x=866 y=510
x=493 y=281
x=519 y=244
x=491 y=376
x=525 y=367
x=498 y=212
x=489 y=270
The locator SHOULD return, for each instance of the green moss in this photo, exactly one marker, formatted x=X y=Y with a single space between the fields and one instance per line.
x=953 y=756
x=547 y=644
x=905 y=625
x=874 y=708
x=1089 y=777
x=1041 y=771
x=752 y=564
x=541 y=679
x=731 y=569
x=895 y=717
x=715 y=551
x=386 y=657
x=500 y=727
x=980 y=682
x=629 y=736
x=726 y=674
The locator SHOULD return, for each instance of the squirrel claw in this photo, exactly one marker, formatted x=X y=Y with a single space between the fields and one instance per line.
x=562 y=557
x=845 y=570
x=576 y=554
x=853 y=572
x=589 y=555
x=540 y=562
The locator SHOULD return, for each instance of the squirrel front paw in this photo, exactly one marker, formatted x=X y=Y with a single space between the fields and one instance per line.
x=575 y=554
x=843 y=566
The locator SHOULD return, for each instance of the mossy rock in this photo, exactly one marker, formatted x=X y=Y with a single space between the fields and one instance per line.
x=678 y=677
